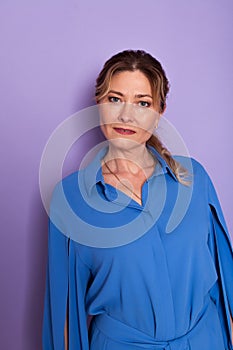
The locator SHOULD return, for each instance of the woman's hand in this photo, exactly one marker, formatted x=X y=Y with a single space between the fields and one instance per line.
x=66 y=334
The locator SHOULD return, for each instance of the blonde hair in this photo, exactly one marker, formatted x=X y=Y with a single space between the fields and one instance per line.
x=131 y=60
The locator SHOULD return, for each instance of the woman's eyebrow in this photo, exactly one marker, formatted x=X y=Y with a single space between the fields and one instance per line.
x=138 y=95
x=116 y=92
x=143 y=95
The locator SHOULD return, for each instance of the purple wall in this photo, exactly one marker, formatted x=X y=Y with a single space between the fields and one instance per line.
x=50 y=54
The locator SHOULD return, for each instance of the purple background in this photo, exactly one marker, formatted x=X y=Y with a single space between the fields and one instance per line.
x=51 y=52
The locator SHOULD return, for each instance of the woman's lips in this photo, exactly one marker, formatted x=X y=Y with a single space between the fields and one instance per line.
x=124 y=131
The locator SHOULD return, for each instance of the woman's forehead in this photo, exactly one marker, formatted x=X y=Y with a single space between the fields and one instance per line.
x=127 y=80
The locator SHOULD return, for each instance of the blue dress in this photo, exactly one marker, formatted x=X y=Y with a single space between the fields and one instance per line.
x=153 y=276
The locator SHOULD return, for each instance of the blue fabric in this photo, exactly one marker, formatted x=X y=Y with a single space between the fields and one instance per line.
x=157 y=286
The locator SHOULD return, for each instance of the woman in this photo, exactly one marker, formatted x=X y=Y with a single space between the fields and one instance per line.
x=165 y=284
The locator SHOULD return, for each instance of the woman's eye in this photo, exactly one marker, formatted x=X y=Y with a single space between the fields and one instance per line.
x=113 y=99
x=144 y=104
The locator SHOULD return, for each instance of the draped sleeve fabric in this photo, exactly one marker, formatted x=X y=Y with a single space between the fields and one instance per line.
x=66 y=283
x=222 y=253
x=56 y=290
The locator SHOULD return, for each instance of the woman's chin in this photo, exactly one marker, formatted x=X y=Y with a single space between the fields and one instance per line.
x=124 y=143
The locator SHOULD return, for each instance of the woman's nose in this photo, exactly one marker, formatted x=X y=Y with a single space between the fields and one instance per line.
x=126 y=113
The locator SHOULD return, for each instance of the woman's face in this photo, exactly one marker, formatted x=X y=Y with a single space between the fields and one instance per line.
x=128 y=112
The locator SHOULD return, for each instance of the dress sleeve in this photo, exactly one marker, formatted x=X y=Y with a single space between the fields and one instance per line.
x=221 y=250
x=66 y=284
x=56 y=293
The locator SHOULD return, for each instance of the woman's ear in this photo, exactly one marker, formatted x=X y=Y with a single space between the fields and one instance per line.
x=159 y=115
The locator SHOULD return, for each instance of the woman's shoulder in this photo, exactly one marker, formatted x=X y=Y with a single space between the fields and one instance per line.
x=67 y=186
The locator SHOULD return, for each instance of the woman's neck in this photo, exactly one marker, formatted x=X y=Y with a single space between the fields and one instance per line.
x=129 y=160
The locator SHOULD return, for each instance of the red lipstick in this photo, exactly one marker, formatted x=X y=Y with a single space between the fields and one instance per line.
x=123 y=131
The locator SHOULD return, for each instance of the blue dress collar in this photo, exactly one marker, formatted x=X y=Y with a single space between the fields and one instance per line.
x=93 y=172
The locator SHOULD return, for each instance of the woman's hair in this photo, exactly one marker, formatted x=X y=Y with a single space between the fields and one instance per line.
x=132 y=60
